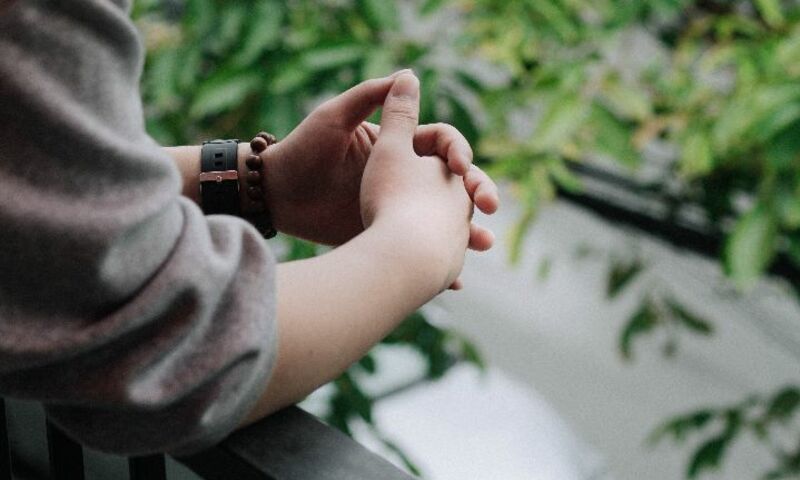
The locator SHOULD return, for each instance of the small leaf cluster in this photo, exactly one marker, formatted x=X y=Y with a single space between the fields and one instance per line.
x=764 y=417
x=657 y=311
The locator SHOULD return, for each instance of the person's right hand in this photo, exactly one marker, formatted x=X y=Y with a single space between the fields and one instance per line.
x=420 y=192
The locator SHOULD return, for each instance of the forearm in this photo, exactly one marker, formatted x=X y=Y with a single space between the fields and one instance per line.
x=332 y=309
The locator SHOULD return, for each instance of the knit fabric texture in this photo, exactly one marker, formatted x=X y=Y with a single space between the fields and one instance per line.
x=141 y=324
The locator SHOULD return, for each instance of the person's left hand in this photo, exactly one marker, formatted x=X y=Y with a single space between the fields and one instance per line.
x=313 y=177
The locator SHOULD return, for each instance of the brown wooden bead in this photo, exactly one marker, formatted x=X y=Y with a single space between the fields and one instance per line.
x=253 y=177
x=254 y=162
x=255 y=193
x=270 y=138
x=258 y=144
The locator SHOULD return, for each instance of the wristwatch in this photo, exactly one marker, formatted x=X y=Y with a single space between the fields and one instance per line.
x=219 y=177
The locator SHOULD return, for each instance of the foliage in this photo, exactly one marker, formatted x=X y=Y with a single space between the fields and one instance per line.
x=716 y=82
x=713 y=82
x=764 y=417
x=659 y=310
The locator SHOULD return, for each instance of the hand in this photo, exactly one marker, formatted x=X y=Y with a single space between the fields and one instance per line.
x=418 y=192
x=313 y=177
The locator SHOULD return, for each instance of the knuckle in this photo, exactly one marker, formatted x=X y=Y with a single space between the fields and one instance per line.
x=447 y=128
x=328 y=110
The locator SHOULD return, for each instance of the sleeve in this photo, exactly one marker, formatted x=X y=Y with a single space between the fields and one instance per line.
x=141 y=324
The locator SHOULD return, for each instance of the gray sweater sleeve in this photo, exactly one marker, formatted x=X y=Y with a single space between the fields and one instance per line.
x=140 y=323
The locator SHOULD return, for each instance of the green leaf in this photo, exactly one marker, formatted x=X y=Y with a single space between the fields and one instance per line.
x=224 y=92
x=536 y=190
x=613 y=137
x=544 y=269
x=367 y=363
x=562 y=176
x=782 y=149
x=697 y=159
x=300 y=249
x=689 y=320
x=733 y=123
x=794 y=251
x=708 y=456
x=431 y=6
x=621 y=275
x=788 y=207
x=679 y=427
x=227 y=28
x=770 y=10
x=380 y=14
x=642 y=321
x=471 y=354
x=264 y=32
x=783 y=405
x=163 y=70
x=561 y=121
x=626 y=102
x=460 y=116
x=379 y=63
x=786 y=115
x=359 y=402
x=289 y=77
x=410 y=465
x=430 y=96
x=751 y=246
x=330 y=57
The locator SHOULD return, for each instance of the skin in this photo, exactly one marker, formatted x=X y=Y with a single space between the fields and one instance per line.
x=313 y=177
x=391 y=197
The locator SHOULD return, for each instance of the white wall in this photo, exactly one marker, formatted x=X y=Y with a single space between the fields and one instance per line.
x=559 y=336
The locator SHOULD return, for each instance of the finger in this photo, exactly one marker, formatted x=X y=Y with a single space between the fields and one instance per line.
x=480 y=239
x=372 y=130
x=447 y=142
x=400 y=115
x=457 y=285
x=482 y=190
x=352 y=107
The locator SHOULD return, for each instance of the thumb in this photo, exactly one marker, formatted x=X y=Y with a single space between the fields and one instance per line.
x=400 y=115
x=352 y=107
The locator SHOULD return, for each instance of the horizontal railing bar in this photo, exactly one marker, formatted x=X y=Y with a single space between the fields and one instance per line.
x=291 y=445
x=683 y=235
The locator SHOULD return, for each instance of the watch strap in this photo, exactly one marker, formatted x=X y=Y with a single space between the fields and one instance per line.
x=219 y=177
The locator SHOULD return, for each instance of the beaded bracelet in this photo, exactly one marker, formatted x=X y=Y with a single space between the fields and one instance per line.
x=256 y=211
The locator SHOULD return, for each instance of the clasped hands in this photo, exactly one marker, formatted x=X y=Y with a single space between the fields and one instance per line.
x=337 y=174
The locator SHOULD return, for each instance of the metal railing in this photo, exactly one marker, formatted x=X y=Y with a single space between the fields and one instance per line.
x=623 y=201
x=291 y=444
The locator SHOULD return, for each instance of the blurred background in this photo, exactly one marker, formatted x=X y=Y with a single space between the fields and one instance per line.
x=639 y=317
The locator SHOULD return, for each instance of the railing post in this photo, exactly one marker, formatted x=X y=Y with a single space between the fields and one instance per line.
x=5 y=452
x=152 y=467
x=66 y=455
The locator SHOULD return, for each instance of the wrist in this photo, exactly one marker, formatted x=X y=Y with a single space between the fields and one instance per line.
x=270 y=183
x=422 y=248
x=257 y=184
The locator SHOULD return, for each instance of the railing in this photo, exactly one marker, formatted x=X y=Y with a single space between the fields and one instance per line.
x=289 y=445
x=623 y=201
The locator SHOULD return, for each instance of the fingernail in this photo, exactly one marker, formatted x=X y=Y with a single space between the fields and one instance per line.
x=400 y=72
x=406 y=85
